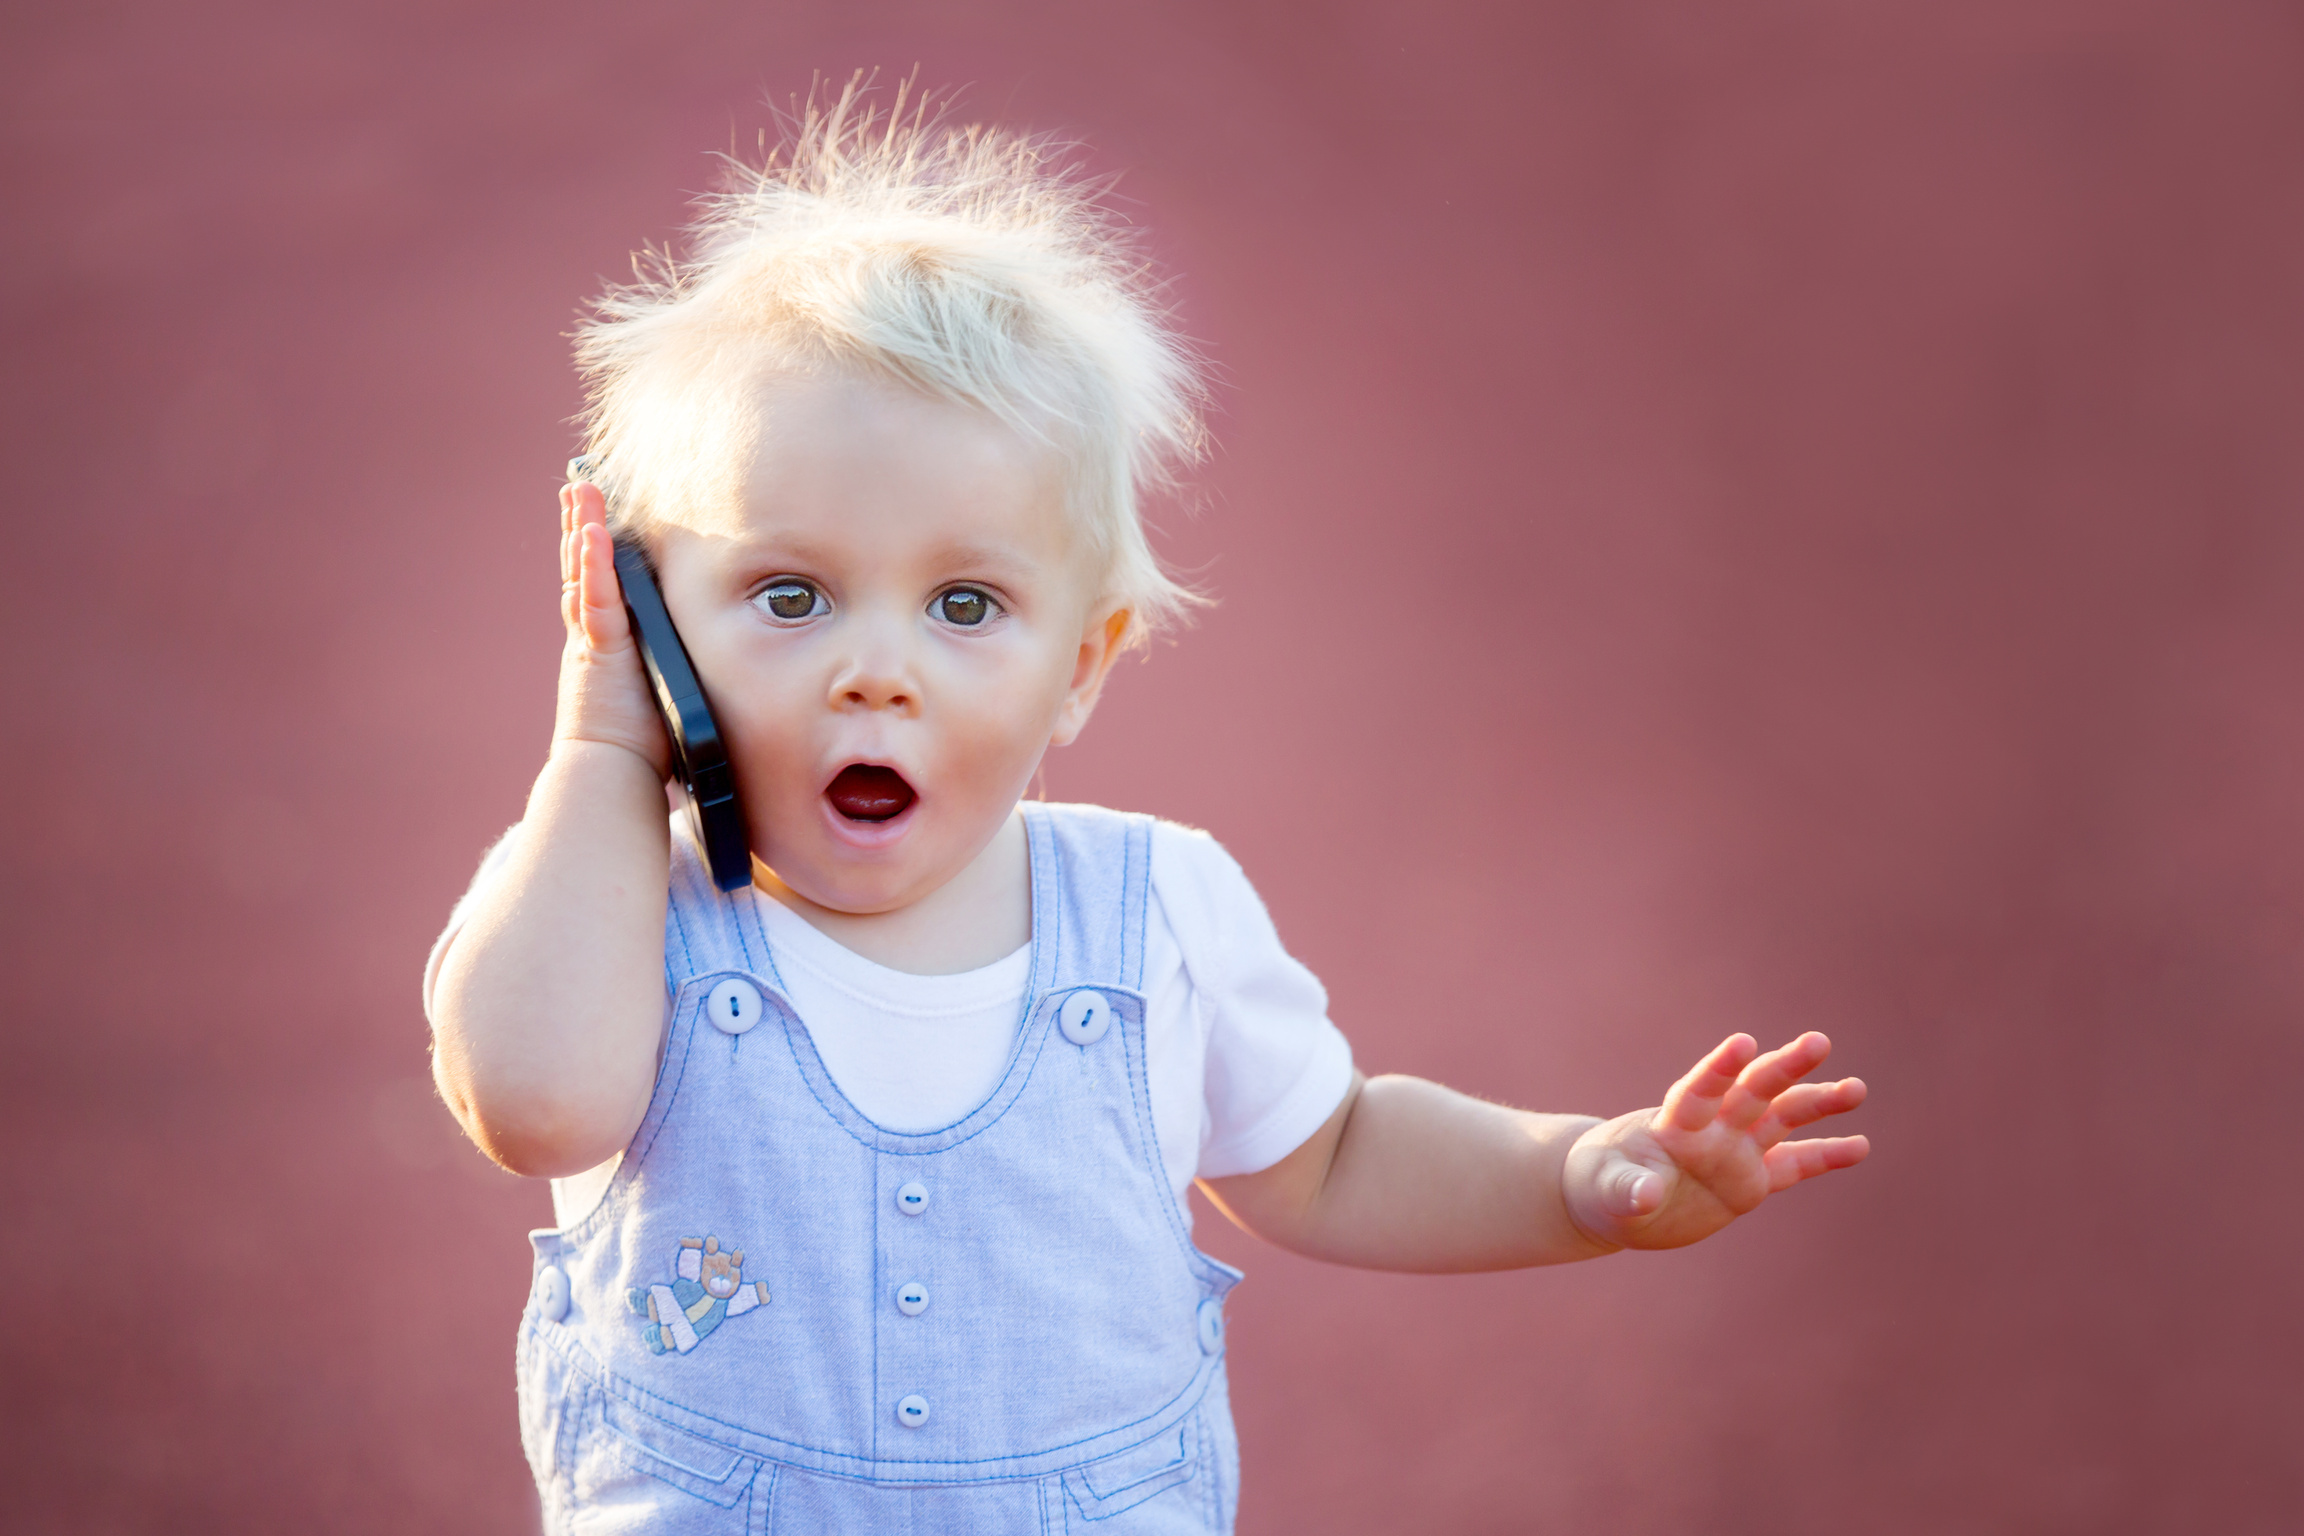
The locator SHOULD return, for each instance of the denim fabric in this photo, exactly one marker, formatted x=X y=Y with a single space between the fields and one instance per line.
x=719 y=1345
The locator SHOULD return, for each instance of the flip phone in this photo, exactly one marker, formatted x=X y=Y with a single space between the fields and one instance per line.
x=699 y=753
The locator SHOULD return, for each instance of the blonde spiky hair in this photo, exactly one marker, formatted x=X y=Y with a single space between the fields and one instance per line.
x=973 y=265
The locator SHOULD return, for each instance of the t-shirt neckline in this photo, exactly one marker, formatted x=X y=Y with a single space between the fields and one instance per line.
x=867 y=981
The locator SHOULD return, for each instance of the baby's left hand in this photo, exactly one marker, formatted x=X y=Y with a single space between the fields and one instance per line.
x=1667 y=1177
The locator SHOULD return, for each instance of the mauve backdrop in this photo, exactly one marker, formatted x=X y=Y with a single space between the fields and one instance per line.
x=1754 y=517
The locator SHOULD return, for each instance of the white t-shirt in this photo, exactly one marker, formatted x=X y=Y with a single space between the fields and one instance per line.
x=1243 y=1062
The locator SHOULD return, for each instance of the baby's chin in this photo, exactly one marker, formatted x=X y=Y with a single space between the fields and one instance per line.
x=849 y=892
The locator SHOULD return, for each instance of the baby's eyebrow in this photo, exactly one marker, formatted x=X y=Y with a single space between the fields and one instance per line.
x=780 y=546
x=956 y=558
x=985 y=554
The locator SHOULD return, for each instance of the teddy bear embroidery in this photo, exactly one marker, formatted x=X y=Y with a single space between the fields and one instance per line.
x=707 y=1288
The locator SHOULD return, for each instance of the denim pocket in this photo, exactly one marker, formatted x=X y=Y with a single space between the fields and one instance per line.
x=1126 y=1483
x=656 y=1476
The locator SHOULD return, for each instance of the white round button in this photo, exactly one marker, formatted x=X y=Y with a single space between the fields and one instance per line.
x=913 y=1411
x=734 y=1006
x=1084 y=1017
x=552 y=1293
x=912 y=1300
x=912 y=1199
x=1211 y=1326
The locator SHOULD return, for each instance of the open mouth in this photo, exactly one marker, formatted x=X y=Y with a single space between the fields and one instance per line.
x=869 y=792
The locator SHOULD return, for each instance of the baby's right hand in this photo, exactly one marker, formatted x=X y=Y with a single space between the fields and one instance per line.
x=603 y=691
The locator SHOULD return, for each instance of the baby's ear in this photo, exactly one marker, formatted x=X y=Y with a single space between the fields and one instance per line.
x=1100 y=646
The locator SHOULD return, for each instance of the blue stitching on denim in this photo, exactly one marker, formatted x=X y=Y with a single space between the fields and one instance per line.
x=763 y=1521
x=751 y=906
x=636 y=1454
x=576 y=1356
x=652 y=1121
x=1075 y=1479
x=1134 y=883
x=879 y=1189
x=1029 y=1044
x=1037 y=835
x=1140 y=1094
x=1040 y=843
x=732 y=911
x=833 y=1107
x=1209 y=1270
x=1048 y=859
x=679 y=928
x=660 y=1113
x=1055 y=906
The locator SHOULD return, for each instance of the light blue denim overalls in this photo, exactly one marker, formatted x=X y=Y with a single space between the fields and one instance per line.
x=783 y=1318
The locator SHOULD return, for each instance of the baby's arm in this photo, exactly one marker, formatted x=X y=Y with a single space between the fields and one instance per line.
x=1410 y=1175
x=548 y=1006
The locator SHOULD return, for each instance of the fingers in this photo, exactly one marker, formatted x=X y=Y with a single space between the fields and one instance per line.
x=1759 y=1084
x=1793 y=1161
x=585 y=504
x=567 y=556
x=1805 y=1104
x=580 y=504
x=599 y=599
x=1695 y=1099
x=591 y=599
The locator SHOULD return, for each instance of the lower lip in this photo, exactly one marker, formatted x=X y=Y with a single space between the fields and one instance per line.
x=867 y=834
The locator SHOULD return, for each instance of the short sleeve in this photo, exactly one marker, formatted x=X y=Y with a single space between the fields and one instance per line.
x=1275 y=1067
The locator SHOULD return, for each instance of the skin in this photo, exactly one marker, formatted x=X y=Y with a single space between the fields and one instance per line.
x=822 y=616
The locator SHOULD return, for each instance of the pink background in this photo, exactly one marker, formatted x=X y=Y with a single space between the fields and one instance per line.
x=1728 y=517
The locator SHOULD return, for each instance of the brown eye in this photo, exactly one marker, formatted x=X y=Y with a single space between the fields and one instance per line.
x=791 y=600
x=964 y=606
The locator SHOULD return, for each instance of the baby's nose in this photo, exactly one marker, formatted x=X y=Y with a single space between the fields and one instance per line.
x=876 y=682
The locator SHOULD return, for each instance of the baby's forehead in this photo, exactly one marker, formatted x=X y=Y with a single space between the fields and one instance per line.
x=787 y=414
x=865 y=468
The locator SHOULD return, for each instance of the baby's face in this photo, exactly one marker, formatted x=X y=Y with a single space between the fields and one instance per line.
x=892 y=630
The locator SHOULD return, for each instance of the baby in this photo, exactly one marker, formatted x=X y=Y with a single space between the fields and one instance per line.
x=870 y=1176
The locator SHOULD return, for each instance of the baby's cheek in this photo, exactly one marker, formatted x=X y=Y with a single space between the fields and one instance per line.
x=991 y=746
x=770 y=738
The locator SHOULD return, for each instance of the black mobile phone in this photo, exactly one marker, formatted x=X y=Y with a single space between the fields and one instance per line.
x=699 y=752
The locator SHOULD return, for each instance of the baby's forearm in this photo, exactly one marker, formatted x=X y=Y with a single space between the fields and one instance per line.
x=548 y=1005
x=1409 y=1175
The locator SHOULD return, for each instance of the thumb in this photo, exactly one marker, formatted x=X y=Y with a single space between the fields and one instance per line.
x=1628 y=1191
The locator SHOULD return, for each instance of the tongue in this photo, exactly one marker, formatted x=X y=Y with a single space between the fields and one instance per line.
x=866 y=793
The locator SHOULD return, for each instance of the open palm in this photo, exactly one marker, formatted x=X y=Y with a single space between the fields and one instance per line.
x=1715 y=1148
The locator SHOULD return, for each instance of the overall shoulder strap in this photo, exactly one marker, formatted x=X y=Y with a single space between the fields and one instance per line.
x=1091 y=882
x=707 y=929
